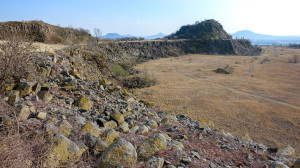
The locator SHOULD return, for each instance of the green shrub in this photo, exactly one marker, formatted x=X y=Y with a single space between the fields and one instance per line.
x=148 y=81
x=119 y=71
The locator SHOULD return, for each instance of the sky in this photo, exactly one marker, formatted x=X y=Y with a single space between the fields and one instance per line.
x=149 y=17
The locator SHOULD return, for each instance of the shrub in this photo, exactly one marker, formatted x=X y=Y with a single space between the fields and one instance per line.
x=294 y=59
x=137 y=82
x=148 y=81
x=15 y=53
x=119 y=71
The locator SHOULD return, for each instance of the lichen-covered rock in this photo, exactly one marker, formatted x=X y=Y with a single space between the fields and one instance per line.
x=92 y=128
x=286 y=151
x=24 y=113
x=63 y=152
x=41 y=115
x=143 y=130
x=124 y=127
x=36 y=88
x=65 y=128
x=45 y=96
x=205 y=123
x=110 y=125
x=153 y=144
x=120 y=153
x=152 y=123
x=109 y=136
x=75 y=73
x=278 y=165
x=14 y=98
x=84 y=103
x=117 y=116
x=177 y=146
x=25 y=88
x=297 y=164
x=155 y=162
x=96 y=144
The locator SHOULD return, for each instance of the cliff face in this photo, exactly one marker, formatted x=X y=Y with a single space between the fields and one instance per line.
x=146 y=50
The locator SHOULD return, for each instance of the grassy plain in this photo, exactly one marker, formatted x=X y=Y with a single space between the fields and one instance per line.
x=261 y=97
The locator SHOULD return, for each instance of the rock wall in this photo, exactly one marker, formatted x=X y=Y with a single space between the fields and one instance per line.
x=145 y=50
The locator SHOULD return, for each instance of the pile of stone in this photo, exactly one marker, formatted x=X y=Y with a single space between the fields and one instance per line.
x=109 y=124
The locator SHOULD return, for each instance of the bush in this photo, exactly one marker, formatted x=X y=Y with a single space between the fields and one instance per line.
x=15 y=53
x=294 y=59
x=148 y=81
x=137 y=82
x=119 y=71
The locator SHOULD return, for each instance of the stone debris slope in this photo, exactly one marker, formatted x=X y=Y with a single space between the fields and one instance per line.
x=96 y=123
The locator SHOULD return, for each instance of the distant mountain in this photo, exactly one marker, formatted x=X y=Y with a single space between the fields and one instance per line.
x=159 y=35
x=115 y=36
x=263 y=39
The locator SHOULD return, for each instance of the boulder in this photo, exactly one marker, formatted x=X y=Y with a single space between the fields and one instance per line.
x=120 y=153
x=143 y=130
x=153 y=144
x=14 y=98
x=65 y=128
x=25 y=89
x=63 y=152
x=277 y=164
x=45 y=96
x=286 y=151
x=118 y=117
x=92 y=128
x=84 y=103
x=155 y=162
x=24 y=113
x=96 y=144
x=36 y=88
x=226 y=70
x=110 y=125
x=124 y=127
x=297 y=164
x=109 y=136
x=42 y=115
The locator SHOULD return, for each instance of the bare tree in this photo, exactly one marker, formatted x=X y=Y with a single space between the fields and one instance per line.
x=98 y=34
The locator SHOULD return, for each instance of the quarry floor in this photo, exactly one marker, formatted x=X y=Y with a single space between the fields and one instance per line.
x=261 y=97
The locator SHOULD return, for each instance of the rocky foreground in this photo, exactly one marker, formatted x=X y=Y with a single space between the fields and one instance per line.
x=85 y=123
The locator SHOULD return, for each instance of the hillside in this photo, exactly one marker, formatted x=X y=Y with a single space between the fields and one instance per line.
x=208 y=29
x=40 y=31
x=263 y=39
x=66 y=108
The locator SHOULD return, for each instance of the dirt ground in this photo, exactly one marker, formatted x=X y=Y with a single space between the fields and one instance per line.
x=261 y=97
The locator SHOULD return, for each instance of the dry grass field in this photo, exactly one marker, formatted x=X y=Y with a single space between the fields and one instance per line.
x=261 y=97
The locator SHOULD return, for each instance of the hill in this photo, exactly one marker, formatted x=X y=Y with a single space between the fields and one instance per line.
x=263 y=39
x=208 y=29
x=40 y=31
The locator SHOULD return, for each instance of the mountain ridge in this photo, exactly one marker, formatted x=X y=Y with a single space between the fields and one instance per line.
x=264 y=39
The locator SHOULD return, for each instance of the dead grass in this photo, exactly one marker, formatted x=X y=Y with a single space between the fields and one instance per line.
x=246 y=101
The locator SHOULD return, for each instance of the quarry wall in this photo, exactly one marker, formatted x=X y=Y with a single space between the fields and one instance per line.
x=139 y=51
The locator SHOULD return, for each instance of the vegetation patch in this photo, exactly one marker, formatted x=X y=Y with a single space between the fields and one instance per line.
x=140 y=82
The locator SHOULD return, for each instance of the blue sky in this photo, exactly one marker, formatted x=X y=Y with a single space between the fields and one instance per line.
x=148 y=17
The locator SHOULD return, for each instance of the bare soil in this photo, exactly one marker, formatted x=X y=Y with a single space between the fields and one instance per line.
x=261 y=97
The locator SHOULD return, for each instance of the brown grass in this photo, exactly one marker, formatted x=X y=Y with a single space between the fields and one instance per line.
x=260 y=99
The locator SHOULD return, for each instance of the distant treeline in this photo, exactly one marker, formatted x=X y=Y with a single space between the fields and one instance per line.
x=297 y=46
